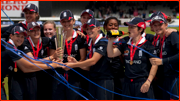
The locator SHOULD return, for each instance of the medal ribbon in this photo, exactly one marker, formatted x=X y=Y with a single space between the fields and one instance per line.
x=155 y=40
x=35 y=52
x=161 y=45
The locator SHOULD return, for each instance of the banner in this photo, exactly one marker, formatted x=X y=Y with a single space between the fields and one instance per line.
x=14 y=8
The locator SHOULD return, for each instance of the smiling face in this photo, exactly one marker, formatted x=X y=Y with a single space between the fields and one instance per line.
x=112 y=25
x=159 y=28
x=35 y=33
x=84 y=18
x=134 y=31
x=30 y=16
x=92 y=31
x=49 y=30
x=67 y=24
x=18 y=39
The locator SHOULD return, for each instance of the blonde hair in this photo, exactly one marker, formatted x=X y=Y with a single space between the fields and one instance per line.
x=51 y=22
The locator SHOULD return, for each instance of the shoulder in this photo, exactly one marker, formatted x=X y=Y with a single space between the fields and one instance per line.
x=102 y=42
x=148 y=45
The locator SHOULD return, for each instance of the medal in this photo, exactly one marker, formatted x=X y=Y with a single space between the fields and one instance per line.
x=15 y=69
x=131 y=62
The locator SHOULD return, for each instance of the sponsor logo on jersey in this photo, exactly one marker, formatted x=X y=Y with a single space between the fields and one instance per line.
x=155 y=52
x=10 y=68
x=42 y=52
x=140 y=53
x=94 y=50
x=100 y=48
x=164 y=53
x=134 y=61
x=76 y=47
x=25 y=47
x=72 y=55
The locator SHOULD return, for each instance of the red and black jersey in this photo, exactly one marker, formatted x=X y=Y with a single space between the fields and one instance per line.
x=44 y=42
x=102 y=69
x=7 y=61
x=168 y=50
x=141 y=64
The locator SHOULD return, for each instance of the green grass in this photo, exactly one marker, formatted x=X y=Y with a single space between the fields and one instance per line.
x=125 y=29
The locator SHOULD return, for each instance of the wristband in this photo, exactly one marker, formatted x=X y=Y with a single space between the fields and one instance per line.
x=149 y=80
x=50 y=58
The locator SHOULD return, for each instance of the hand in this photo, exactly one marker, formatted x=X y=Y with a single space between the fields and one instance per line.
x=145 y=87
x=156 y=61
x=71 y=59
x=169 y=31
x=81 y=34
x=57 y=53
x=55 y=65
x=67 y=64
x=111 y=40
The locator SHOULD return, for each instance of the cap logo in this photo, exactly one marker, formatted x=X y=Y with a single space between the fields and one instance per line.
x=142 y=25
x=64 y=14
x=29 y=6
x=21 y=28
x=33 y=24
x=89 y=21
x=87 y=10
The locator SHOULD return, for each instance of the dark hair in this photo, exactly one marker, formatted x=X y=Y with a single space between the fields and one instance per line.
x=142 y=30
x=107 y=21
x=168 y=19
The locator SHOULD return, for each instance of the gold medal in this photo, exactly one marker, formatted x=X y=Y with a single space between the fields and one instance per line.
x=131 y=62
x=15 y=69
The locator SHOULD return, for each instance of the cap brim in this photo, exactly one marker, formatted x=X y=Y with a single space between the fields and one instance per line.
x=158 y=20
x=24 y=10
x=86 y=13
x=128 y=24
x=34 y=27
x=147 y=19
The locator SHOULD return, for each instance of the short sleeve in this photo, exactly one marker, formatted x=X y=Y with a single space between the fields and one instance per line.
x=101 y=48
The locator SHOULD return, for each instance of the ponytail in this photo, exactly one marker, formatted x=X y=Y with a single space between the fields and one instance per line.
x=168 y=19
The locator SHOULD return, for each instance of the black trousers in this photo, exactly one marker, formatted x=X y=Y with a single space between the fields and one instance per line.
x=132 y=88
x=171 y=84
x=61 y=92
x=44 y=85
x=99 y=93
x=3 y=95
x=22 y=87
x=118 y=82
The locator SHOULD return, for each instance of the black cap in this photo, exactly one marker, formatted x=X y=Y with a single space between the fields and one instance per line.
x=31 y=7
x=66 y=14
x=32 y=25
x=92 y=23
x=159 y=17
x=18 y=30
x=136 y=21
x=88 y=11
x=154 y=14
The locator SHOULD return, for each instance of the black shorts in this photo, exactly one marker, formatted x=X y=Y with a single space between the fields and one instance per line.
x=131 y=87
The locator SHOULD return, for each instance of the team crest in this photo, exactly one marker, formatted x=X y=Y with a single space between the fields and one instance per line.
x=126 y=52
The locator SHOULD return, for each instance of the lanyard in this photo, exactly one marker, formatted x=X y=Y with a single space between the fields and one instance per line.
x=132 y=51
x=91 y=47
x=161 y=45
x=15 y=64
x=155 y=40
x=69 y=46
x=35 y=52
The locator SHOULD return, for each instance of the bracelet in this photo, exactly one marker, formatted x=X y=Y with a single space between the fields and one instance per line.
x=149 y=80
x=50 y=58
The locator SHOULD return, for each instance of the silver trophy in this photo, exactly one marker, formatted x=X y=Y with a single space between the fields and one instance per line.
x=60 y=40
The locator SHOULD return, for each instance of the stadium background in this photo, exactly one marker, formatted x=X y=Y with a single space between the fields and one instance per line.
x=123 y=10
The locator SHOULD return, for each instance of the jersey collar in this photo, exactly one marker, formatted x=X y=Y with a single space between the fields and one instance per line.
x=143 y=40
x=11 y=41
x=40 y=40
x=100 y=36
x=74 y=34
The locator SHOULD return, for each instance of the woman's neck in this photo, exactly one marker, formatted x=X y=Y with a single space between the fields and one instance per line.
x=35 y=41
x=94 y=39
x=162 y=35
x=136 y=39
x=69 y=34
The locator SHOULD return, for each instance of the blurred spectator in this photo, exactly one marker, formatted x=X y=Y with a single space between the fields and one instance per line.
x=144 y=14
x=114 y=9
x=135 y=13
x=131 y=10
x=174 y=13
x=150 y=11
x=121 y=12
x=108 y=11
